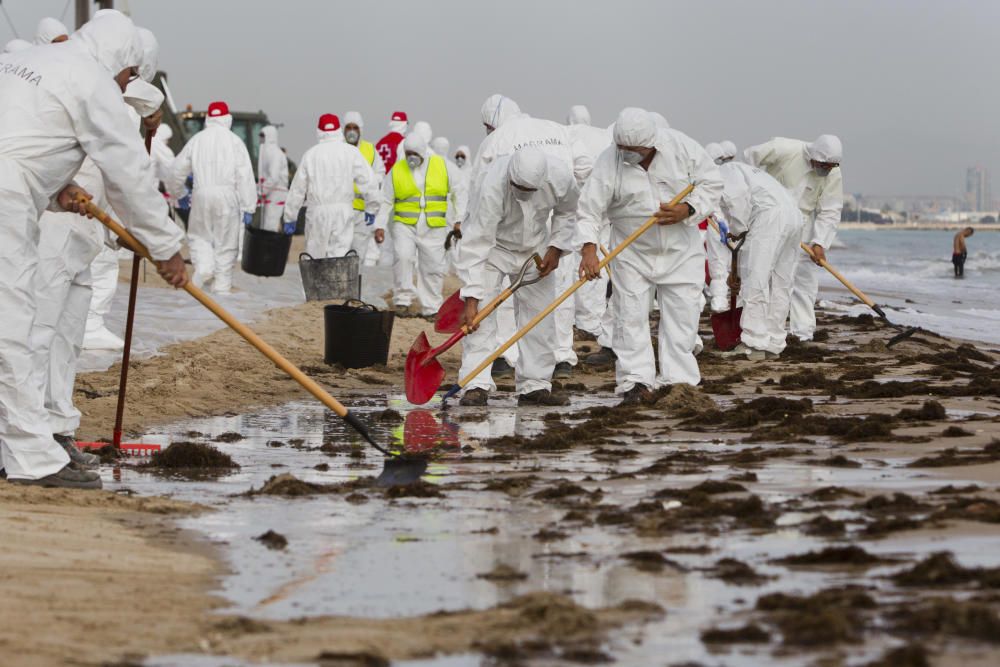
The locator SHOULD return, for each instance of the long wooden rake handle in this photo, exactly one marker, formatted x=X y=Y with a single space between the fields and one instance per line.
x=562 y=297
x=288 y=367
x=847 y=283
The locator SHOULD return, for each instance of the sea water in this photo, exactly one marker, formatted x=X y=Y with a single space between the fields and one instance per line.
x=893 y=266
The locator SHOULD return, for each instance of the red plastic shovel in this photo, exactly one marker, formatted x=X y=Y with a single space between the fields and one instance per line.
x=726 y=325
x=424 y=372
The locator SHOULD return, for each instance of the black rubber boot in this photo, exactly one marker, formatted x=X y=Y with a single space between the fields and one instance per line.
x=502 y=370
x=640 y=394
x=75 y=455
x=562 y=371
x=475 y=397
x=603 y=358
x=67 y=478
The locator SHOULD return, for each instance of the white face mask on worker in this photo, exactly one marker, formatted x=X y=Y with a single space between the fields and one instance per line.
x=631 y=157
x=414 y=161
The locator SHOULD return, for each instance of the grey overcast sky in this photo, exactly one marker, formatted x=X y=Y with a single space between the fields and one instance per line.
x=911 y=86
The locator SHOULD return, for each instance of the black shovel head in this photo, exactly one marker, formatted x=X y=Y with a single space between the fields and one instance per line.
x=401 y=470
x=901 y=336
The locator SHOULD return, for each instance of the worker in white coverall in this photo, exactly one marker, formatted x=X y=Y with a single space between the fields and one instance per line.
x=728 y=150
x=51 y=31
x=223 y=195
x=364 y=224
x=508 y=130
x=144 y=101
x=811 y=172
x=420 y=194
x=325 y=184
x=272 y=177
x=163 y=160
x=462 y=157
x=590 y=301
x=754 y=203
x=720 y=256
x=423 y=129
x=67 y=244
x=441 y=146
x=510 y=221
x=630 y=182
x=63 y=103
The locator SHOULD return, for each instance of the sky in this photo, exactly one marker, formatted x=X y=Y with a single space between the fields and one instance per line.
x=910 y=86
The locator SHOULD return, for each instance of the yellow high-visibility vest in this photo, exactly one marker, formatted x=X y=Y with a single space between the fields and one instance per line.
x=435 y=197
x=367 y=149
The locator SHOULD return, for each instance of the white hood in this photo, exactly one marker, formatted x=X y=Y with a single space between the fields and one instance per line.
x=48 y=29
x=112 y=40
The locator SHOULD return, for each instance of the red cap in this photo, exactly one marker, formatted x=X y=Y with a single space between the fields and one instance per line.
x=328 y=122
x=218 y=109
x=399 y=115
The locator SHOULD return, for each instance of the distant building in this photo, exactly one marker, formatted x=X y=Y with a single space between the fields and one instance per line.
x=978 y=190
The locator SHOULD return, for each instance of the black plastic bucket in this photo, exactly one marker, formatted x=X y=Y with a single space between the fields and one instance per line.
x=265 y=253
x=357 y=334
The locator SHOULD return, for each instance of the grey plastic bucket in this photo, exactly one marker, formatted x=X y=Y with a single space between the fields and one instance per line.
x=331 y=278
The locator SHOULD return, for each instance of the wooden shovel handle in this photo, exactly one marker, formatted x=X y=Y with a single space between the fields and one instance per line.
x=836 y=274
x=288 y=367
x=569 y=292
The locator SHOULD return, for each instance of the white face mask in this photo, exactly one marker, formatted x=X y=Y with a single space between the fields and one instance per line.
x=460 y=160
x=631 y=157
x=414 y=161
x=352 y=136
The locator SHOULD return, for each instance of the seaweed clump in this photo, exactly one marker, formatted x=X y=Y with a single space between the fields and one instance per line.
x=192 y=455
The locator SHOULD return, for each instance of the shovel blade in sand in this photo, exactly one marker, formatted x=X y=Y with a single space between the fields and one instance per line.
x=423 y=373
x=450 y=314
x=726 y=328
x=401 y=471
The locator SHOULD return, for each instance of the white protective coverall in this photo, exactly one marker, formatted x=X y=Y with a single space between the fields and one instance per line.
x=419 y=248
x=272 y=167
x=48 y=29
x=590 y=302
x=514 y=130
x=222 y=192
x=364 y=227
x=820 y=198
x=15 y=45
x=499 y=235
x=668 y=258
x=60 y=105
x=163 y=157
x=143 y=99
x=324 y=183
x=67 y=247
x=720 y=257
x=754 y=202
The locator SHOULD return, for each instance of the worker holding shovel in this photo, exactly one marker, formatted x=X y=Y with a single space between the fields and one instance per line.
x=510 y=222
x=629 y=183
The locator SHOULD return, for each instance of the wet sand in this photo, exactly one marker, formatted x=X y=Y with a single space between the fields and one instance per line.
x=672 y=483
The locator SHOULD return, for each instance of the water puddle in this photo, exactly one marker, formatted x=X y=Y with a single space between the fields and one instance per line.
x=379 y=558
